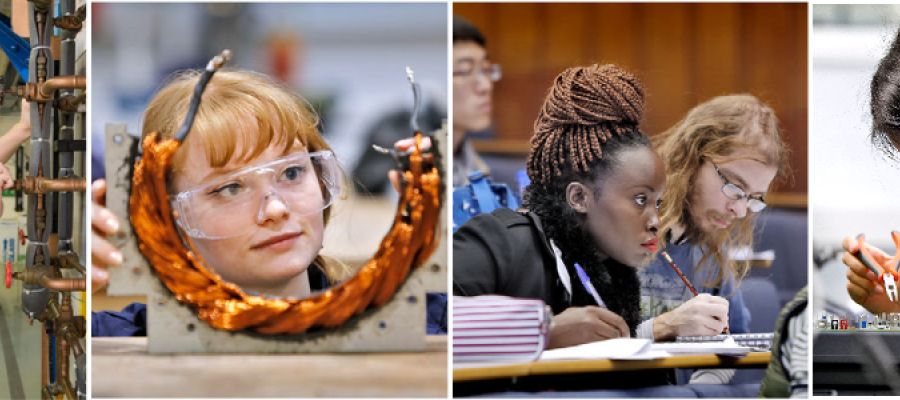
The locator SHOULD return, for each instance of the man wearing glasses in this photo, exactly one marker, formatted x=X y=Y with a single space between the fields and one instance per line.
x=720 y=162
x=473 y=81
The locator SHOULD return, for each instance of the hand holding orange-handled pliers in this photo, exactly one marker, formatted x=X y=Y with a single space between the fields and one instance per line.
x=887 y=275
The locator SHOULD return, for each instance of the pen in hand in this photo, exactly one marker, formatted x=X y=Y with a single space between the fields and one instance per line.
x=686 y=282
x=586 y=282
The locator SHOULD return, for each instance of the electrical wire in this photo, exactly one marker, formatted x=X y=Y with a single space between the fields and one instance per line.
x=417 y=100
x=76 y=297
x=211 y=67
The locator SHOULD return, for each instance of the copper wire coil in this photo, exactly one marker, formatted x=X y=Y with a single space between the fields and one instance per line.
x=223 y=305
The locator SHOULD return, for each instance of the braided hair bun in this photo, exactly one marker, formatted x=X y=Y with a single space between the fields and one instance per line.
x=585 y=107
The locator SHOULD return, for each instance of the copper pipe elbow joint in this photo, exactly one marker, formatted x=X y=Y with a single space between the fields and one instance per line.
x=64 y=284
x=62 y=82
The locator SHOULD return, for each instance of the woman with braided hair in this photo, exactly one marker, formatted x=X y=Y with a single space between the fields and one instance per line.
x=595 y=187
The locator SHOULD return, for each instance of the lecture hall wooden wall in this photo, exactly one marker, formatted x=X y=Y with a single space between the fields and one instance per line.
x=684 y=53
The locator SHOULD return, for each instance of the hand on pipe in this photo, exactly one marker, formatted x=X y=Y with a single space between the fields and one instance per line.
x=703 y=315
x=579 y=325
x=6 y=181
x=24 y=124
x=406 y=145
x=864 y=287
x=18 y=134
x=103 y=224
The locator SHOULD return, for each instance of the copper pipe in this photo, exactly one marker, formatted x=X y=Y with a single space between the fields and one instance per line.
x=64 y=284
x=64 y=185
x=33 y=276
x=40 y=185
x=67 y=388
x=72 y=22
x=62 y=360
x=68 y=22
x=72 y=338
x=65 y=312
x=62 y=82
x=71 y=103
x=62 y=348
x=80 y=322
x=70 y=260
x=41 y=14
x=69 y=328
x=54 y=309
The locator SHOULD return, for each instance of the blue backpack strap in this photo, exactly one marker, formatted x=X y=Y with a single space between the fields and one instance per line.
x=484 y=196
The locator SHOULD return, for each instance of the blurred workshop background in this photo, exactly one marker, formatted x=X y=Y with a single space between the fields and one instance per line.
x=348 y=60
x=33 y=359
x=853 y=185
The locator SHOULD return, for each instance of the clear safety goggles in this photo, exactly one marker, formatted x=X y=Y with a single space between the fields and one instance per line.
x=236 y=203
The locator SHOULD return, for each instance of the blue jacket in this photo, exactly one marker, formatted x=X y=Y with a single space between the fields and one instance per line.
x=662 y=290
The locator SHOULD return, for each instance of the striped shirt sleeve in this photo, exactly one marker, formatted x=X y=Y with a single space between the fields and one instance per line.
x=795 y=354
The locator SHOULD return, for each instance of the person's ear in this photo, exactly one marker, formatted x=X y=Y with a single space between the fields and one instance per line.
x=577 y=196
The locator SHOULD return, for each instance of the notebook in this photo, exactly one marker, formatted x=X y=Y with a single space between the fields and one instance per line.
x=758 y=341
x=498 y=329
x=641 y=349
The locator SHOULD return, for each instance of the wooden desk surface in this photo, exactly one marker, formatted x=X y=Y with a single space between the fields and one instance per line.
x=121 y=367
x=752 y=360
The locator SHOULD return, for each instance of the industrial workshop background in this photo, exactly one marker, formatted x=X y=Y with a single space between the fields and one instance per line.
x=42 y=306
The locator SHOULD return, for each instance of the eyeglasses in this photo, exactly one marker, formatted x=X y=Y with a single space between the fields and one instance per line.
x=491 y=71
x=734 y=192
x=236 y=203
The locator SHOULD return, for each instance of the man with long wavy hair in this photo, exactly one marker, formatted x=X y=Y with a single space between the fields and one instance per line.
x=720 y=162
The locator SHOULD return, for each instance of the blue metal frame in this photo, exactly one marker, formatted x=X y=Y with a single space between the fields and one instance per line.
x=16 y=48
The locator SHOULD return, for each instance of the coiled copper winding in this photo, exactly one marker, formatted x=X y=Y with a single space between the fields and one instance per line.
x=223 y=305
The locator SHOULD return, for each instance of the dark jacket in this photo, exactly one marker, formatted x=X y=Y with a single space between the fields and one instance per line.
x=507 y=253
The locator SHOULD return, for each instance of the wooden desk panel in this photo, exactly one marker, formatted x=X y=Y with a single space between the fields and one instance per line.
x=121 y=367
x=752 y=360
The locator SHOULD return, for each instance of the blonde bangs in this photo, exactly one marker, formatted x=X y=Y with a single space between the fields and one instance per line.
x=236 y=106
x=240 y=108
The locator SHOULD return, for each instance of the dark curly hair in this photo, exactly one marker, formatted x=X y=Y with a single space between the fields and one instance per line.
x=589 y=118
x=886 y=103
